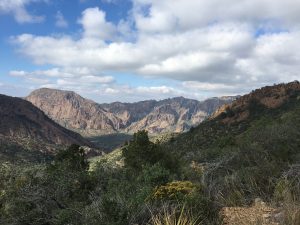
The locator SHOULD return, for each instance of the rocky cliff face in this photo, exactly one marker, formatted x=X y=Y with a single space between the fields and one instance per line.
x=176 y=115
x=22 y=122
x=74 y=112
x=89 y=118
x=269 y=97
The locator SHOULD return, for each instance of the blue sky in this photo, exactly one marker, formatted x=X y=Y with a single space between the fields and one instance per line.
x=131 y=50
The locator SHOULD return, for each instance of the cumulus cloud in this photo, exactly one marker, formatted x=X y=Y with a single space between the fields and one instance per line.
x=95 y=25
x=228 y=46
x=70 y=78
x=190 y=14
x=18 y=9
x=139 y=93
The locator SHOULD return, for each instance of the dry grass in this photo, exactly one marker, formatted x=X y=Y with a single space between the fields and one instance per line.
x=291 y=213
x=174 y=217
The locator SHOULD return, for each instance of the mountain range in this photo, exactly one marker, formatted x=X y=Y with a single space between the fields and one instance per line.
x=25 y=127
x=92 y=119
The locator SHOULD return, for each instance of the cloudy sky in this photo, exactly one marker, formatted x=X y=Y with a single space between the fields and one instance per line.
x=130 y=50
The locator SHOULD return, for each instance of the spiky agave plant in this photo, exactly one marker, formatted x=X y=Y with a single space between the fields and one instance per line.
x=174 y=217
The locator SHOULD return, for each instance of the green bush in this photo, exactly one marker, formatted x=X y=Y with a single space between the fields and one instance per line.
x=174 y=190
x=141 y=152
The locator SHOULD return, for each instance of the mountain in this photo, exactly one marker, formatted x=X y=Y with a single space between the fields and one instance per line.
x=24 y=126
x=91 y=119
x=249 y=148
x=267 y=104
x=245 y=158
x=169 y=115
x=74 y=112
x=269 y=97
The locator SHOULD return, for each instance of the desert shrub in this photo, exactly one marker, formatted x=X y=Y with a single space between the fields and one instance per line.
x=174 y=216
x=47 y=194
x=120 y=194
x=226 y=141
x=174 y=190
x=155 y=175
x=288 y=186
x=141 y=152
x=74 y=157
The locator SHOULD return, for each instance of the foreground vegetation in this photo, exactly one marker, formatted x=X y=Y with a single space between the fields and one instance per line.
x=184 y=181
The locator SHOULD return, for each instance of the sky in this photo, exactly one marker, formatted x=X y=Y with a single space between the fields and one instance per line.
x=132 y=50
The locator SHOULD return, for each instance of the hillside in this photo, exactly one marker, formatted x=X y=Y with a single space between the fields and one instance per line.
x=24 y=126
x=240 y=166
x=91 y=119
x=268 y=103
x=247 y=148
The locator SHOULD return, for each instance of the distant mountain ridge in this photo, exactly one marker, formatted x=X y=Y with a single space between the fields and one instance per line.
x=91 y=119
x=24 y=126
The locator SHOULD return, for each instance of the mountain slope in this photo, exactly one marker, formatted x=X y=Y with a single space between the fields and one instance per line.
x=22 y=124
x=267 y=103
x=247 y=149
x=91 y=119
x=177 y=115
x=74 y=112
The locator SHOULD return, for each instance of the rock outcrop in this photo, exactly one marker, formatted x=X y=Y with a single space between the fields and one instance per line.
x=269 y=97
x=91 y=119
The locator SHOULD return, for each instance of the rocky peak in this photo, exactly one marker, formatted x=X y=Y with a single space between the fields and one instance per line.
x=270 y=97
x=89 y=118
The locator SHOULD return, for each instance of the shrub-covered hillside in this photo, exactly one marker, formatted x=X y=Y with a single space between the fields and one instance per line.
x=248 y=150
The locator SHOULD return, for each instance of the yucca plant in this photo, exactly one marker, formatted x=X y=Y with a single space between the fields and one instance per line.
x=174 y=217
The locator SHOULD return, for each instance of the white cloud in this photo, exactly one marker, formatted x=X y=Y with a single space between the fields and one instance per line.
x=60 y=20
x=157 y=90
x=87 y=81
x=19 y=11
x=139 y=93
x=59 y=78
x=202 y=86
x=111 y=91
x=190 y=14
x=95 y=25
x=228 y=46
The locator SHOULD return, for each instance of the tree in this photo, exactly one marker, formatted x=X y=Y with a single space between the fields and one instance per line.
x=141 y=152
x=74 y=157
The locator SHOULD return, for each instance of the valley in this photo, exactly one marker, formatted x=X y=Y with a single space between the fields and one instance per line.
x=243 y=158
x=149 y=112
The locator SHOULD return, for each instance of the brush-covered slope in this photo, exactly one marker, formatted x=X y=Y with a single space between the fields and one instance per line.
x=268 y=105
x=91 y=119
x=24 y=125
x=249 y=148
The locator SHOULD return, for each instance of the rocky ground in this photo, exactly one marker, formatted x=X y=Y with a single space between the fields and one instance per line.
x=258 y=214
